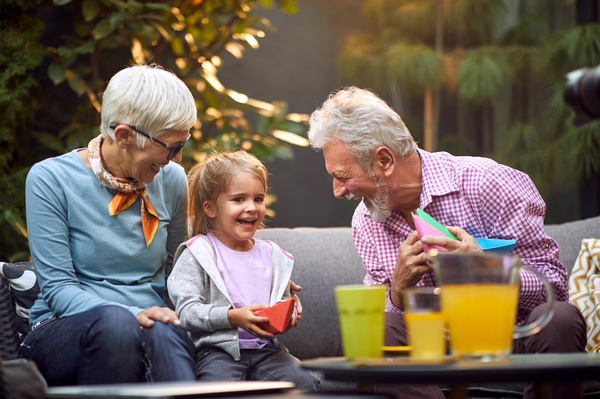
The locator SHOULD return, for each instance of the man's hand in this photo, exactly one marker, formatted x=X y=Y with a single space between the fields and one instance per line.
x=411 y=265
x=465 y=242
x=147 y=317
x=293 y=289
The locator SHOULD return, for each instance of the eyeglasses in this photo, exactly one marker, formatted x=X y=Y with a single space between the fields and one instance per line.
x=173 y=150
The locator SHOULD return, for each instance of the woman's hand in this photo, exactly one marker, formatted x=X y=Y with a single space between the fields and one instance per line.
x=147 y=317
x=293 y=289
x=245 y=318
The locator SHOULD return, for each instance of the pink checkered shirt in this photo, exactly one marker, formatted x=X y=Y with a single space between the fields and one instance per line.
x=486 y=199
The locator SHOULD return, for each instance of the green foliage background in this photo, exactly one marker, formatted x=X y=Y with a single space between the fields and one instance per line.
x=497 y=72
x=57 y=56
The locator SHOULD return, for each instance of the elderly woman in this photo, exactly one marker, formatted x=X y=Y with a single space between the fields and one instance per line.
x=104 y=222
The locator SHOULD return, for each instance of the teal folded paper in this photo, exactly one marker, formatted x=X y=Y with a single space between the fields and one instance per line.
x=496 y=245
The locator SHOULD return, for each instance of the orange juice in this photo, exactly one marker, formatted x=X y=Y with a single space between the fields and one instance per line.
x=426 y=335
x=480 y=317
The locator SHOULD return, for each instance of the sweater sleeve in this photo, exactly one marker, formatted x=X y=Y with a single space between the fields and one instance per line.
x=48 y=229
x=198 y=306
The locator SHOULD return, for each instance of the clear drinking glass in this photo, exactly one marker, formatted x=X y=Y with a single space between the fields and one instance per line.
x=425 y=323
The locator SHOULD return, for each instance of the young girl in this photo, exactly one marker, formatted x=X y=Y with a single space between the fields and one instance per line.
x=223 y=274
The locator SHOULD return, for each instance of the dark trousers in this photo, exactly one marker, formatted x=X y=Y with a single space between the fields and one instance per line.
x=106 y=345
x=565 y=333
x=262 y=364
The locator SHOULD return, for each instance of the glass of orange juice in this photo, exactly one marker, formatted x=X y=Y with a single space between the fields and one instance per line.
x=425 y=322
x=480 y=301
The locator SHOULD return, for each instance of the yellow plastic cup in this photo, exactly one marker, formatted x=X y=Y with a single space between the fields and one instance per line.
x=361 y=312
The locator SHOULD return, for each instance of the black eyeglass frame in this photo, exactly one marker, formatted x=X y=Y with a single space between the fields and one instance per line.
x=173 y=150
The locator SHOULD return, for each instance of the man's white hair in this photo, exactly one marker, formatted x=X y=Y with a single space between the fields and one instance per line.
x=361 y=120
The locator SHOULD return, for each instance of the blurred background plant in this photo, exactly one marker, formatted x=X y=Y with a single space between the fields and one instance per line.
x=57 y=56
x=486 y=77
x=472 y=77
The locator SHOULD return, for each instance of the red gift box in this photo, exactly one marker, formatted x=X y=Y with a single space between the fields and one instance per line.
x=279 y=316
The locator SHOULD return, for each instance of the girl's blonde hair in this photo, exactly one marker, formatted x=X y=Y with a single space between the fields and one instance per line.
x=210 y=179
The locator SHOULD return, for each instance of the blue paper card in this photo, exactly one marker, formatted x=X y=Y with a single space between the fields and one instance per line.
x=496 y=245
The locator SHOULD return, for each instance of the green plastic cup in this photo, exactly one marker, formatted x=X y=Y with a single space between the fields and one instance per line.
x=361 y=312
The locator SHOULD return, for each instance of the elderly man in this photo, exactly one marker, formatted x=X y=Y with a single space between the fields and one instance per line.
x=370 y=154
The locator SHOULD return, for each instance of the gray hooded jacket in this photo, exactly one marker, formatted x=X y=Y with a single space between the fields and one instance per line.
x=201 y=299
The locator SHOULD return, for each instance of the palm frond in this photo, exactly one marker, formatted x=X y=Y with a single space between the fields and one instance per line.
x=475 y=18
x=573 y=48
x=361 y=62
x=530 y=30
x=410 y=19
x=480 y=77
x=414 y=66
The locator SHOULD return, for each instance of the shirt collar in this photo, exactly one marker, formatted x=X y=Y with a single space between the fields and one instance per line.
x=436 y=181
x=394 y=223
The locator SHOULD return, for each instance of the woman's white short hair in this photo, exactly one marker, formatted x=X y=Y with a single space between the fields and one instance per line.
x=148 y=98
x=361 y=120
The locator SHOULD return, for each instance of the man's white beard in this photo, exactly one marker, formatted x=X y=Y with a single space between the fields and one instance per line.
x=378 y=206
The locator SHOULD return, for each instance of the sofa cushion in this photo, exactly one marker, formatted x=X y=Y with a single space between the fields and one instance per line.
x=569 y=235
x=584 y=289
x=323 y=258
x=24 y=290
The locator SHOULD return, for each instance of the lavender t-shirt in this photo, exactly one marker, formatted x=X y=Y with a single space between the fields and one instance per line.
x=247 y=276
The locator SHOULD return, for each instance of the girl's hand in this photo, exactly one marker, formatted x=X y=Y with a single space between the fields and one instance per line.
x=293 y=320
x=147 y=317
x=293 y=289
x=243 y=317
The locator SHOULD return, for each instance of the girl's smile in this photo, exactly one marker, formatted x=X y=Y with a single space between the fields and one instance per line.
x=239 y=211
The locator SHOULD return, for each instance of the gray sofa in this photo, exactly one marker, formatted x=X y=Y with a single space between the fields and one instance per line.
x=326 y=257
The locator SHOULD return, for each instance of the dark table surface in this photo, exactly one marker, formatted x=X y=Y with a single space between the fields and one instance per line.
x=199 y=390
x=541 y=368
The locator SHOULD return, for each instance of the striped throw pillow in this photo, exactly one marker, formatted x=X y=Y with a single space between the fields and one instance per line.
x=584 y=289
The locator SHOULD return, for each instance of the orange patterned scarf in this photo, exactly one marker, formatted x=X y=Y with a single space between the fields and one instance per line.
x=128 y=191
